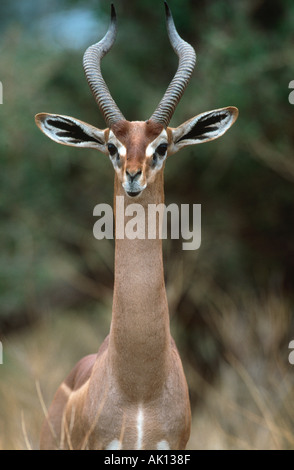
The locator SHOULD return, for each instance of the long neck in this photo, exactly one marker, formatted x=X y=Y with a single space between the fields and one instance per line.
x=140 y=334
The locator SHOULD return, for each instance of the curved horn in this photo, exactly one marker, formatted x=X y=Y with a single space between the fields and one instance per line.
x=187 y=60
x=91 y=62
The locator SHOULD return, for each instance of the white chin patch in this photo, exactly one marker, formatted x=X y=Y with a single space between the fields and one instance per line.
x=133 y=190
x=162 y=138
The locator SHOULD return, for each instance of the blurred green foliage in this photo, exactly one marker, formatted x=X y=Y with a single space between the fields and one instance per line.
x=244 y=181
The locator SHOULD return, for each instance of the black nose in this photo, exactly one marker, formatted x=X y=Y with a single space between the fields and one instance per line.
x=133 y=175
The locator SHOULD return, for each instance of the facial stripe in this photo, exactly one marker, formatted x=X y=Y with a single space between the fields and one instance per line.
x=162 y=138
x=112 y=139
x=134 y=156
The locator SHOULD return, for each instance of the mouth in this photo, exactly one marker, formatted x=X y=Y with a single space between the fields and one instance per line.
x=133 y=193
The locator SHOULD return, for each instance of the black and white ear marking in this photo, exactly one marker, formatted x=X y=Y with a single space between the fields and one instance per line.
x=67 y=130
x=204 y=127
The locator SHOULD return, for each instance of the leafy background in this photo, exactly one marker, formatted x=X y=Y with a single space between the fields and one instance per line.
x=231 y=301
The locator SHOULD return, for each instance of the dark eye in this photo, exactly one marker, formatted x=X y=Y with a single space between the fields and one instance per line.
x=161 y=150
x=112 y=149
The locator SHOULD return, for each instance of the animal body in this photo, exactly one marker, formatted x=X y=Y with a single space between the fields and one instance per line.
x=133 y=393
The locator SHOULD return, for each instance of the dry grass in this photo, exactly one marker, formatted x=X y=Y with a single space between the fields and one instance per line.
x=35 y=363
x=248 y=406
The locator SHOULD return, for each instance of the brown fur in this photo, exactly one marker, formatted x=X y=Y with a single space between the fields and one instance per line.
x=138 y=366
x=135 y=136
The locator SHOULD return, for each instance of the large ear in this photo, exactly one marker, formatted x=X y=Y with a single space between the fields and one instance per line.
x=70 y=131
x=203 y=128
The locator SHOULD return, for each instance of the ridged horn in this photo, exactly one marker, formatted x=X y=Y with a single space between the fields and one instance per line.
x=187 y=61
x=91 y=63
